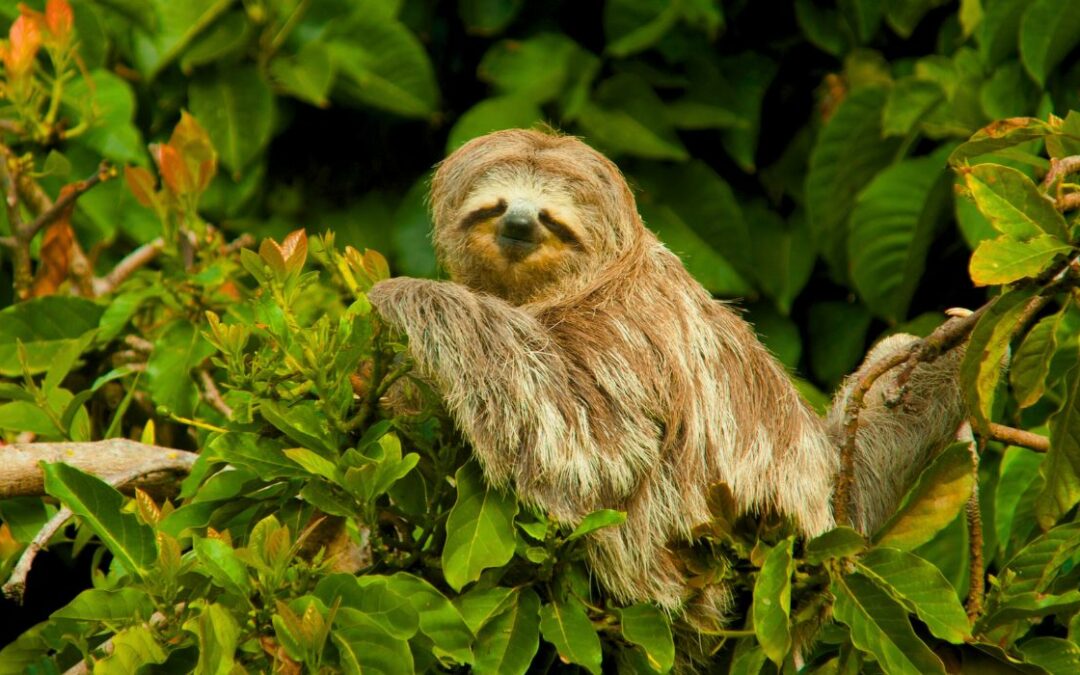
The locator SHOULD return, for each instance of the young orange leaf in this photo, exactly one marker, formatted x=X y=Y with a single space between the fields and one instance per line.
x=173 y=169
x=59 y=19
x=142 y=184
x=25 y=37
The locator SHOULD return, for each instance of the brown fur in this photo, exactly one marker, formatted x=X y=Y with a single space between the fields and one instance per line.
x=596 y=372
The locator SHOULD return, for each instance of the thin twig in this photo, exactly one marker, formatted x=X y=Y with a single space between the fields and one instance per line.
x=1068 y=202
x=66 y=199
x=1011 y=436
x=1059 y=168
x=213 y=396
x=138 y=258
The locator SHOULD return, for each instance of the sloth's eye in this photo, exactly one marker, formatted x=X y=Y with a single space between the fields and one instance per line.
x=560 y=230
x=482 y=214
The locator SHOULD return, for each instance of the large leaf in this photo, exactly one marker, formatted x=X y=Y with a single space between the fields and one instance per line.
x=236 y=106
x=218 y=635
x=1012 y=202
x=783 y=254
x=938 y=495
x=981 y=369
x=1005 y=259
x=1054 y=655
x=631 y=26
x=880 y=627
x=365 y=647
x=179 y=349
x=626 y=116
x=904 y=15
x=120 y=605
x=566 y=625
x=382 y=64
x=999 y=136
x=1062 y=466
x=178 y=24
x=772 y=602
x=1019 y=469
x=647 y=627
x=848 y=153
x=100 y=506
x=45 y=326
x=132 y=648
x=534 y=70
x=920 y=587
x=439 y=619
x=488 y=17
x=1031 y=363
x=505 y=645
x=113 y=134
x=997 y=33
x=1048 y=31
x=909 y=102
x=374 y=598
x=893 y=223
x=479 y=530
x=493 y=114
x=1037 y=565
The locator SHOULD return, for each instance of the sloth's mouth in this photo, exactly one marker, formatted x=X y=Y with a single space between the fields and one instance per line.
x=516 y=247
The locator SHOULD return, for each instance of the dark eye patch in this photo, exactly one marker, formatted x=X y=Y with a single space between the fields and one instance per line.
x=560 y=230
x=482 y=214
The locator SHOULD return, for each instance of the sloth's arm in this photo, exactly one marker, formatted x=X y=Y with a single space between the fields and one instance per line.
x=507 y=386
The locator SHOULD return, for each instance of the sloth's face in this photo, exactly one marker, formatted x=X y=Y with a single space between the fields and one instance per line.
x=517 y=233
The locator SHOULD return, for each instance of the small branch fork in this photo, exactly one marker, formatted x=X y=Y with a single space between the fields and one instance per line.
x=119 y=462
x=946 y=337
x=1059 y=168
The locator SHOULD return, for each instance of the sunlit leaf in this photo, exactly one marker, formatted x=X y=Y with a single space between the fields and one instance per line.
x=566 y=625
x=772 y=602
x=479 y=530
x=1048 y=32
x=1005 y=259
x=649 y=628
x=1062 y=466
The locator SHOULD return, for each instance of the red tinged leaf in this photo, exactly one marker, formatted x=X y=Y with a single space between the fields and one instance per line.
x=56 y=253
x=294 y=250
x=142 y=184
x=59 y=19
x=193 y=143
x=25 y=40
x=173 y=169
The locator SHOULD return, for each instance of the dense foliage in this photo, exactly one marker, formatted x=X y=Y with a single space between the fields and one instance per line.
x=812 y=157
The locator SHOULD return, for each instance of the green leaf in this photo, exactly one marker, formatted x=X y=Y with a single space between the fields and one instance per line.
x=987 y=350
x=566 y=625
x=909 y=102
x=848 y=153
x=168 y=370
x=626 y=116
x=218 y=635
x=365 y=647
x=307 y=75
x=864 y=17
x=488 y=17
x=479 y=530
x=1035 y=567
x=226 y=36
x=1019 y=469
x=131 y=648
x=303 y=423
x=997 y=33
x=23 y=416
x=597 y=520
x=480 y=605
x=45 y=326
x=263 y=456
x=1012 y=203
x=1005 y=259
x=892 y=226
x=439 y=619
x=1049 y=30
x=536 y=70
x=100 y=506
x=505 y=645
x=649 y=628
x=999 y=136
x=631 y=26
x=1055 y=655
x=313 y=463
x=1025 y=607
x=1061 y=469
x=921 y=588
x=64 y=361
x=373 y=597
x=905 y=15
x=219 y=561
x=772 y=602
x=493 y=114
x=179 y=23
x=381 y=64
x=782 y=253
x=938 y=495
x=236 y=106
x=111 y=99
x=840 y=542
x=749 y=75
x=880 y=627
x=1031 y=363
x=123 y=605
x=837 y=338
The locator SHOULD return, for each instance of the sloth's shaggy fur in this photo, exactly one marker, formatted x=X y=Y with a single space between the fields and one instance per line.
x=594 y=372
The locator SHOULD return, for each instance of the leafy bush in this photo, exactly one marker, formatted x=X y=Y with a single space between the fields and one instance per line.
x=314 y=533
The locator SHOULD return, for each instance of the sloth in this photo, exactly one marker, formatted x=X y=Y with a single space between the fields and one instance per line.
x=588 y=370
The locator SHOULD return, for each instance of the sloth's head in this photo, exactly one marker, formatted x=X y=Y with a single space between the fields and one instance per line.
x=520 y=212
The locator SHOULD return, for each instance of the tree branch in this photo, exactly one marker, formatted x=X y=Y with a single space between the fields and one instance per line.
x=128 y=266
x=1011 y=436
x=66 y=199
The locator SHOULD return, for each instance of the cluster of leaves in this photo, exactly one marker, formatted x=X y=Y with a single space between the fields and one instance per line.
x=273 y=368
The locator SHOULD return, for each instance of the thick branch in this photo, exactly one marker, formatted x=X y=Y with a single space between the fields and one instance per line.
x=1026 y=439
x=154 y=465
x=1059 y=168
x=128 y=266
x=119 y=462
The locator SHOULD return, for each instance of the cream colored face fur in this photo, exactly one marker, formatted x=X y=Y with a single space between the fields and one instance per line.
x=490 y=258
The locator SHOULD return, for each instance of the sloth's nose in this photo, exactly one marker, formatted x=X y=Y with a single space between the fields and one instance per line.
x=519 y=227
